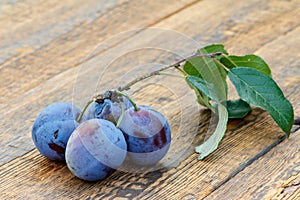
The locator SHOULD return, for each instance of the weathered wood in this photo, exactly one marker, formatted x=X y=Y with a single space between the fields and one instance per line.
x=13 y=142
x=29 y=25
x=67 y=40
x=266 y=27
x=20 y=79
x=54 y=180
x=295 y=195
x=201 y=178
x=274 y=176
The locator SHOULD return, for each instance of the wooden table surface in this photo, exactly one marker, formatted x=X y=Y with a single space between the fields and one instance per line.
x=49 y=52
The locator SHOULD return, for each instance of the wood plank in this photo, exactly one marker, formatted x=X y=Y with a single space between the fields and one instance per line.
x=28 y=25
x=274 y=176
x=18 y=176
x=295 y=195
x=199 y=178
x=14 y=144
x=59 y=43
x=21 y=78
x=246 y=28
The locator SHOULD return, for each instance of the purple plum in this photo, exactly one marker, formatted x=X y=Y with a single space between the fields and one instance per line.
x=107 y=109
x=52 y=129
x=95 y=150
x=147 y=134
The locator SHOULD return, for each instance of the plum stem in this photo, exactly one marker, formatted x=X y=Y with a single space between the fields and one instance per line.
x=122 y=115
x=221 y=64
x=157 y=72
x=181 y=70
x=78 y=119
x=130 y=99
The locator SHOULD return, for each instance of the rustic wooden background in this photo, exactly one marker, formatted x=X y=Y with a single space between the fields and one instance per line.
x=44 y=45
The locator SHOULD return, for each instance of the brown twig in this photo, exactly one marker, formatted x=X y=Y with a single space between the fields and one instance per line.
x=156 y=72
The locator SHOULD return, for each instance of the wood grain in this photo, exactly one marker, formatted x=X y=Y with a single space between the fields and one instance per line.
x=74 y=39
x=16 y=144
x=48 y=74
x=274 y=176
x=201 y=178
x=29 y=25
x=23 y=77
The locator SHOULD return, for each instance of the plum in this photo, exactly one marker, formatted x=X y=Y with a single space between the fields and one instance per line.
x=107 y=109
x=95 y=150
x=147 y=133
x=52 y=129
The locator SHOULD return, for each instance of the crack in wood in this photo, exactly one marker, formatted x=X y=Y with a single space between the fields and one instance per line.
x=250 y=161
x=290 y=189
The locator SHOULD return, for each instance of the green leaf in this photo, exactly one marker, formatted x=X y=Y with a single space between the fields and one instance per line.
x=261 y=90
x=251 y=61
x=200 y=84
x=190 y=69
x=210 y=73
x=213 y=141
x=237 y=109
x=213 y=48
x=202 y=99
x=209 y=76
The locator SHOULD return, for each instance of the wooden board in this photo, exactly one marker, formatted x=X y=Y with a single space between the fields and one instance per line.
x=29 y=74
x=43 y=75
x=274 y=176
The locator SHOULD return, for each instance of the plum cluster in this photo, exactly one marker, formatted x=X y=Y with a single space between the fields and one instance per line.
x=97 y=143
